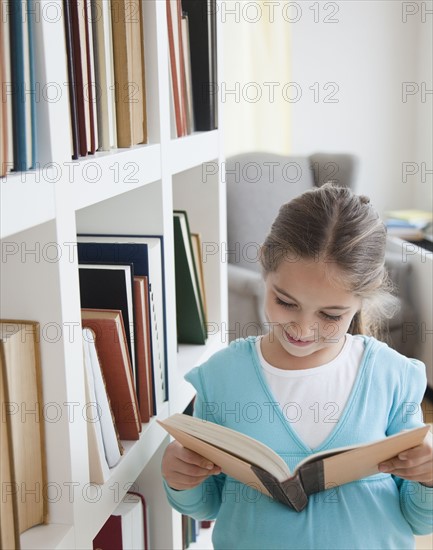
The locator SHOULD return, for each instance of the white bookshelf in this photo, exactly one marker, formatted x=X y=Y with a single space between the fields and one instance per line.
x=125 y=191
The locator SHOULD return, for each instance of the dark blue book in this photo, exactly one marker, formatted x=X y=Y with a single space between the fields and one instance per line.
x=146 y=253
x=32 y=96
x=23 y=85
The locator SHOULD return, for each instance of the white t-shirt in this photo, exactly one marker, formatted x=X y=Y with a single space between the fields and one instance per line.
x=312 y=400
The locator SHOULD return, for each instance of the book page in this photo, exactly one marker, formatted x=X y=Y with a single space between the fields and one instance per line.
x=232 y=442
x=362 y=461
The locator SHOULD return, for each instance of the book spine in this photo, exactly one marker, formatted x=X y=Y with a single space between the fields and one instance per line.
x=290 y=492
x=313 y=477
x=72 y=81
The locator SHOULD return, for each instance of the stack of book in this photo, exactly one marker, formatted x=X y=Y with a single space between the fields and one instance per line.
x=123 y=309
x=22 y=446
x=192 y=49
x=105 y=54
x=17 y=87
x=191 y=308
x=409 y=224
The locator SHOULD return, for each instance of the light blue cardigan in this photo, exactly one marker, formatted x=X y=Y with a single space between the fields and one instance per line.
x=379 y=512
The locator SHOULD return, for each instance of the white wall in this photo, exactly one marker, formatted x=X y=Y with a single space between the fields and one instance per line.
x=368 y=53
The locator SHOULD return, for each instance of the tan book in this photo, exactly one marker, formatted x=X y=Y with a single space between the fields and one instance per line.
x=9 y=532
x=196 y=249
x=255 y=464
x=126 y=17
x=102 y=38
x=20 y=349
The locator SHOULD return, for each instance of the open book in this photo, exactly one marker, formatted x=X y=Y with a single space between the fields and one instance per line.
x=253 y=463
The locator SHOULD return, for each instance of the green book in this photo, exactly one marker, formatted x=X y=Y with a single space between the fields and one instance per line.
x=191 y=325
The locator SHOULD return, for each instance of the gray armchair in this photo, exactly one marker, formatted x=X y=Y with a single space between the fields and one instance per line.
x=257 y=185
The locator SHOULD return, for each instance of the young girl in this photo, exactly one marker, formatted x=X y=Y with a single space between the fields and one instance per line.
x=312 y=383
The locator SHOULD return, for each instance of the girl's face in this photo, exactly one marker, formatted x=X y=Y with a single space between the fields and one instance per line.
x=308 y=313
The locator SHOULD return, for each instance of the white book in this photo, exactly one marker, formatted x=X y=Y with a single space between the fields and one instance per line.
x=98 y=465
x=108 y=429
x=104 y=72
x=132 y=514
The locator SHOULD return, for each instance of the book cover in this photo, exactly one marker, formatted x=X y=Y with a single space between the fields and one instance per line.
x=146 y=253
x=31 y=98
x=126 y=528
x=6 y=126
x=143 y=349
x=20 y=73
x=73 y=105
x=138 y=96
x=103 y=417
x=202 y=41
x=128 y=58
x=191 y=326
x=91 y=82
x=19 y=341
x=198 y=258
x=4 y=51
x=110 y=286
x=99 y=470
x=175 y=54
x=255 y=464
x=9 y=531
x=80 y=71
x=115 y=363
x=188 y=76
x=104 y=74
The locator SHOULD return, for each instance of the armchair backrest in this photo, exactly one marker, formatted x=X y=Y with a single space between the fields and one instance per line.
x=259 y=183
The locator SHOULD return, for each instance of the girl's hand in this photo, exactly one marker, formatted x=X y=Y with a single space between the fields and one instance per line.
x=184 y=469
x=415 y=464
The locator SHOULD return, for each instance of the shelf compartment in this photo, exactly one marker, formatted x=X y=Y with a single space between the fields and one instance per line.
x=188 y=357
x=29 y=199
x=136 y=457
x=52 y=535
x=189 y=151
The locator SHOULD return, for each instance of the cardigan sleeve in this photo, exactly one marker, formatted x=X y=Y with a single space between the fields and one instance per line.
x=416 y=500
x=204 y=501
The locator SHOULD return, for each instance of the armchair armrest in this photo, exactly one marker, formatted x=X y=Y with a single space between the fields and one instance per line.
x=246 y=298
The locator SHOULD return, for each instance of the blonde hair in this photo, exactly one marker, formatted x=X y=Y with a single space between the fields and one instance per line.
x=333 y=225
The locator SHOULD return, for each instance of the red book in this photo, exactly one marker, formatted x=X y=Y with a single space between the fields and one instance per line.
x=142 y=347
x=176 y=57
x=126 y=528
x=112 y=349
x=80 y=71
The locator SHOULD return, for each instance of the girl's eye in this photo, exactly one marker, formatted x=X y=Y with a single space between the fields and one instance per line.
x=331 y=317
x=282 y=303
